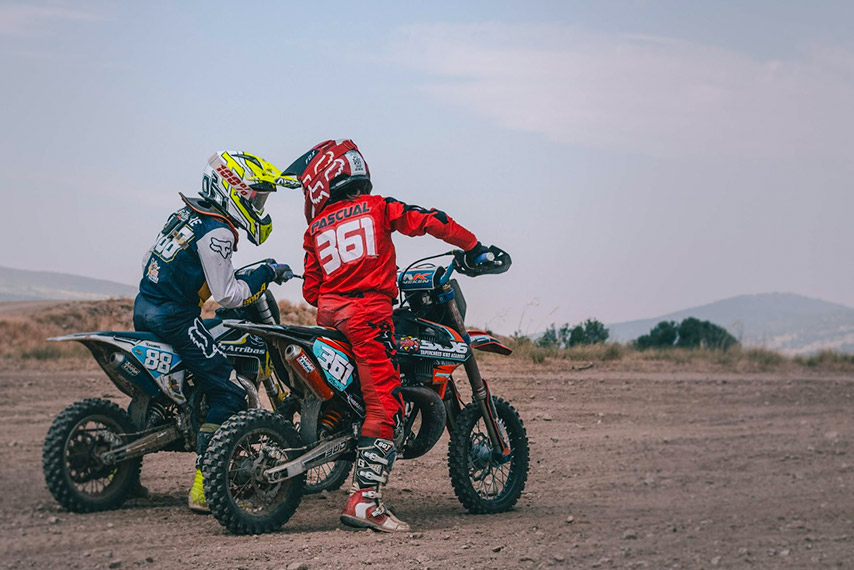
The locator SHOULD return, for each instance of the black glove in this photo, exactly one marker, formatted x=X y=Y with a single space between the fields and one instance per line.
x=281 y=271
x=496 y=261
x=470 y=256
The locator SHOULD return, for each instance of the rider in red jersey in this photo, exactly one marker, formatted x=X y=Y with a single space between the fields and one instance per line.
x=351 y=277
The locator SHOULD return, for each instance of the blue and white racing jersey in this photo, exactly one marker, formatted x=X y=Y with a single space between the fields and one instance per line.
x=191 y=261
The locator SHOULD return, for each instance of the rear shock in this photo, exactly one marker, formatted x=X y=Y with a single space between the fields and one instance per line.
x=329 y=421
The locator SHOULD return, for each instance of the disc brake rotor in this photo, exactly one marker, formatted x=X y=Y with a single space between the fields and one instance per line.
x=82 y=454
x=247 y=480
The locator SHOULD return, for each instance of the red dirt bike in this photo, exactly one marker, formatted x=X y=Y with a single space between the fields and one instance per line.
x=256 y=464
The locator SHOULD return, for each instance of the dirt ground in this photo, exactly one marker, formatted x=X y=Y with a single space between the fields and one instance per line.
x=668 y=468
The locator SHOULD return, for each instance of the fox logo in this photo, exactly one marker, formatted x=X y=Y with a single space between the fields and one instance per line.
x=221 y=246
x=202 y=339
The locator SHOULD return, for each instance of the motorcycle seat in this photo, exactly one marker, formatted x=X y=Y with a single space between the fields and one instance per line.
x=136 y=335
x=311 y=332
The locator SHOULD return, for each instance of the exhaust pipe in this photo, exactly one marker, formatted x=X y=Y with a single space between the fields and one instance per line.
x=307 y=372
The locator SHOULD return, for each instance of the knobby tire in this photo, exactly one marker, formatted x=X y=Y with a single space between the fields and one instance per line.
x=483 y=485
x=69 y=454
x=225 y=473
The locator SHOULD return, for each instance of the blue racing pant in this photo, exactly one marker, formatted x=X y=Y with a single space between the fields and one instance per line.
x=182 y=327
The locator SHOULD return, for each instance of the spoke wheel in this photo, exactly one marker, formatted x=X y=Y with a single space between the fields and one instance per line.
x=73 y=471
x=483 y=481
x=326 y=477
x=238 y=495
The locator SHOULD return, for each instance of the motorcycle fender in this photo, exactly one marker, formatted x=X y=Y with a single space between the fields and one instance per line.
x=486 y=342
x=433 y=419
x=134 y=379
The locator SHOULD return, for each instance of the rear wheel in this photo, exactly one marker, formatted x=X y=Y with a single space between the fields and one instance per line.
x=483 y=480
x=73 y=470
x=238 y=495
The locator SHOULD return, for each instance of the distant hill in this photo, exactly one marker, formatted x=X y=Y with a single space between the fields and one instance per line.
x=22 y=285
x=789 y=323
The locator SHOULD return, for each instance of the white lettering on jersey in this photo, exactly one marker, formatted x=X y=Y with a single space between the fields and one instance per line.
x=346 y=243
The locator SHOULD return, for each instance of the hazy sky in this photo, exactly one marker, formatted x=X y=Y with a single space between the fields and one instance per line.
x=635 y=158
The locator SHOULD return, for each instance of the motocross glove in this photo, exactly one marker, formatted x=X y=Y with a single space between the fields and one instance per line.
x=281 y=272
x=470 y=257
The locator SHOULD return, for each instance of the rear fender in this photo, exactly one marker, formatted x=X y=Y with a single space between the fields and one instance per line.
x=115 y=355
x=486 y=342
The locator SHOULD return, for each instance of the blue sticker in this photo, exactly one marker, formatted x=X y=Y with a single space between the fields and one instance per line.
x=157 y=362
x=335 y=364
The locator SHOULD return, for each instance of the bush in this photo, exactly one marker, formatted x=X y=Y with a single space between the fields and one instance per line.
x=690 y=333
x=590 y=331
x=663 y=334
x=550 y=338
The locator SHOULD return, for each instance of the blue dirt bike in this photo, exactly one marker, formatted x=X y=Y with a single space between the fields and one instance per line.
x=93 y=452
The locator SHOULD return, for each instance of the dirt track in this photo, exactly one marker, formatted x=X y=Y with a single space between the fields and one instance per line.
x=667 y=469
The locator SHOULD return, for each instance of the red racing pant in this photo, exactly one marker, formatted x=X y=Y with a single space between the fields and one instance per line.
x=365 y=320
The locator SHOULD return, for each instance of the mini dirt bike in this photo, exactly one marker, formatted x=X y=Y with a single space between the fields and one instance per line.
x=256 y=464
x=93 y=451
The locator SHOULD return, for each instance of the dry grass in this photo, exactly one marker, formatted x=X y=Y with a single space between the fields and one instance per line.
x=828 y=360
x=25 y=337
x=733 y=360
x=25 y=334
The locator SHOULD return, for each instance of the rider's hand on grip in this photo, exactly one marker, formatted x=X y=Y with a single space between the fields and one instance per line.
x=282 y=272
x=481 y=260
x=477 y=255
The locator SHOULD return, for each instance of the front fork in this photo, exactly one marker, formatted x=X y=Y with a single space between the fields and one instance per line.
x=272 y=386
x=479 y=388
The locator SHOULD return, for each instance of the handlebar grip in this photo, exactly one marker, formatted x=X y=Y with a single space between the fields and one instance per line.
x=484 y=258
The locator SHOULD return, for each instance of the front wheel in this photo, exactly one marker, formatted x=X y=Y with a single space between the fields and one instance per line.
x=238 y=495
x=73 y=470
x=483 y=481
x=328 y=476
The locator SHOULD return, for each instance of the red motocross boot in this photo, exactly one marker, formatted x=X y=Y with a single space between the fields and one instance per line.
x=364 y=507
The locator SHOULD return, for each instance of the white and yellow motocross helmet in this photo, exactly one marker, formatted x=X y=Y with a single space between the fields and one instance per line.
x=237 y=185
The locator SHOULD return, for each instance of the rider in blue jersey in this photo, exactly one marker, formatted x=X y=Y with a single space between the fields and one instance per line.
x=190 y=262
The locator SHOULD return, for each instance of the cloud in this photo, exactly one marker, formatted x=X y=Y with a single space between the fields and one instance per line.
x=28 y=19
x=641 y=94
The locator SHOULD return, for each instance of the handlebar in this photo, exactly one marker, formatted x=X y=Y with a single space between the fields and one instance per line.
x=491 y=262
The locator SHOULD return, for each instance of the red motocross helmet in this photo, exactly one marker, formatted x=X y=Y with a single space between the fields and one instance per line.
x=329 y=171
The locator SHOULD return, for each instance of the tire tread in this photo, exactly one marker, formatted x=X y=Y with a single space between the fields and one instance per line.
x=53 y=457
x=215 y=469
x=458 y=454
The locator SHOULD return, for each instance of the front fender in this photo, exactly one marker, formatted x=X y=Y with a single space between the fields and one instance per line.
x=484 y=341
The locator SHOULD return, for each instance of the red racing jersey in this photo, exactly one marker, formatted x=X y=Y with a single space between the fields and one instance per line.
x=348 y=247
